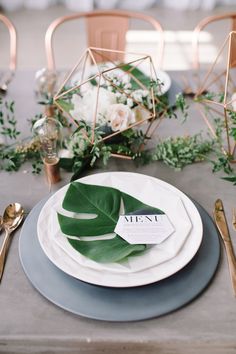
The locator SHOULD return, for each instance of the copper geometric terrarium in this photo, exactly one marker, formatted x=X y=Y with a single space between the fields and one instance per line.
x=217 y=94
x=115 y=96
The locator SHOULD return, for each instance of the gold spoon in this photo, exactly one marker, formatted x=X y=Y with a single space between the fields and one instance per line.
x=12 y=218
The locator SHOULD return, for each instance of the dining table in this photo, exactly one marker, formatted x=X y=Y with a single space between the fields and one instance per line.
x=30 y=323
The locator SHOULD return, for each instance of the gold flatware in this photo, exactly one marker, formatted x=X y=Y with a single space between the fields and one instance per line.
x=12 y=218
x=221 y=223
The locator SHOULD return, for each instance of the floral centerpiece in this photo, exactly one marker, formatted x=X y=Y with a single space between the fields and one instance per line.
x=113 y=107
x=112 y=96
x=111 y=110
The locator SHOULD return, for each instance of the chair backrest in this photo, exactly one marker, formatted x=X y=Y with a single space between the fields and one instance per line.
x=201 y=26
x=12 y=33
x=105 y=29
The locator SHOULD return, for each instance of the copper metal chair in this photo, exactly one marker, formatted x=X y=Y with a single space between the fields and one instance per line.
x=7 y=77
x=201 y=25
x=12 y=33
x=105 y=29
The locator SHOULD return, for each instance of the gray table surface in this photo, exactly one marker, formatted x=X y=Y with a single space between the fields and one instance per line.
x=31 y=324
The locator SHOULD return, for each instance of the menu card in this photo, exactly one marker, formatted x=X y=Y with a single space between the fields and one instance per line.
x=147 y=229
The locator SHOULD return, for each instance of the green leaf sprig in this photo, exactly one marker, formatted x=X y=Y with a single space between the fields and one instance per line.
x=15 y=153
x=7 y=120
x=181 y=151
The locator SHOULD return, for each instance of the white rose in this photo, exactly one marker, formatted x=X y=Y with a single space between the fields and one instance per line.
x=120 y=117
x=85 y=106
x=81 y=110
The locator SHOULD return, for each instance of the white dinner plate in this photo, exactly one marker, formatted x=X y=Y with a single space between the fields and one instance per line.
x=169 y=203
x=133 y=184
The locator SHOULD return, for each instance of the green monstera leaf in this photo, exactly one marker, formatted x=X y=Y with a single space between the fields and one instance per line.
x=102 y=206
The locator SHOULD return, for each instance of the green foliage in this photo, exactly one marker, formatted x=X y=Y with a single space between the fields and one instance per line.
x=84 y=153
x=37 y=166
x=13 y=155
x=105 y=203
x=232 y=128
x=231 y=179
x=7 y=120
x=211 y=96
x=219 y=129
x=181 y=151
x=10 y=160
x=176 y=153
x=181 y=104
x=222 y=163
x=67 y=106
x=131 y=141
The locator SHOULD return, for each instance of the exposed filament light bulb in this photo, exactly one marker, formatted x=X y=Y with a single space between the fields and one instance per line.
x=48 y=132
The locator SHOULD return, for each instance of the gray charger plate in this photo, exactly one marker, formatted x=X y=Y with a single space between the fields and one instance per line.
x=112 y=304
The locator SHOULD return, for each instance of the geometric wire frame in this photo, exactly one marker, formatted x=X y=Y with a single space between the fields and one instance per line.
x=221 y=81
x=89 y=76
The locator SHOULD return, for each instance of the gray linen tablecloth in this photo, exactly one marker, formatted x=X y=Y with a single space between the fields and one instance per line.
x=31 y=324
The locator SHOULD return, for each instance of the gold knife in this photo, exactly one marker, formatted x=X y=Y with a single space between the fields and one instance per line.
x=221 y=223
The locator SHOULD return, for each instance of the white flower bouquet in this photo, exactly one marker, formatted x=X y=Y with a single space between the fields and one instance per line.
x=116 y=106
x=116 y=98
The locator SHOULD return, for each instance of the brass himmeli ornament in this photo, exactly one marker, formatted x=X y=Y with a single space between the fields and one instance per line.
x=94 y=72
x=217 y=93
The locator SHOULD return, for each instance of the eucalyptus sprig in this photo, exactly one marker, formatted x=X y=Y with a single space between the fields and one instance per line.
x=8 y=123
x=181 y=151
x=232 y=128
x=15 y=153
